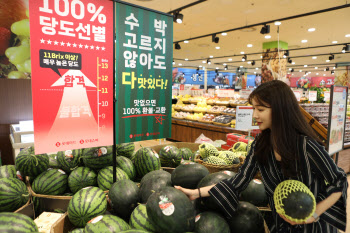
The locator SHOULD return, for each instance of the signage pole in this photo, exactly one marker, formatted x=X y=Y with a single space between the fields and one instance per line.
x=114 y=101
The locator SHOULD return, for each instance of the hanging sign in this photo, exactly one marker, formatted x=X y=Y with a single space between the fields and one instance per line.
x=144 y=55
x=72 y=73
x=244 y=118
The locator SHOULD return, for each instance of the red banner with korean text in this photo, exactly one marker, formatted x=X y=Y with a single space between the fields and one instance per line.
x=72 y=70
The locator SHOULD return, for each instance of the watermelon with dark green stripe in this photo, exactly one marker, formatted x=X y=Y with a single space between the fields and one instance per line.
x=105 y=177
x=124 y=196
x=30 y=164
x=53 y=163
x=13 y=194
x=146 y=160
x=186 y=153
x=139 y=219
x=51 y=182
x=69 y=160
x=106 y=224
x=86 y=204
x=98 y=157
x=127 y=166
x=170 y=156
x=126 y=149
x=16 y=223
x=80 y=178
x=8 y=171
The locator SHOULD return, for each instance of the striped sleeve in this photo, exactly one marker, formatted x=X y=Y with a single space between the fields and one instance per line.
x=335 y=181
x=226 y=193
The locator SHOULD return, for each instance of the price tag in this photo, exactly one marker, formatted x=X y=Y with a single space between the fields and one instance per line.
x=327 y=95
x=312 y=95
x=197 y=92
x=244 y=93
x=297 y=95
x=226 y=93
x=244 y=118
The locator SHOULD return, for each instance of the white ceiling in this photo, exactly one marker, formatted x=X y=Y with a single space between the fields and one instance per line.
x=219 y=15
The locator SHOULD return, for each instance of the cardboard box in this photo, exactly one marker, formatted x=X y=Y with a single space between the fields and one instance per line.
x=20 y=136
x=226 y=147
x=46 y=220
x=17 y=147
x=245 y=138
x=232 y=138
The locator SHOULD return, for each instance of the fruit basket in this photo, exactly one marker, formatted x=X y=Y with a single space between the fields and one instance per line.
x=212 y=168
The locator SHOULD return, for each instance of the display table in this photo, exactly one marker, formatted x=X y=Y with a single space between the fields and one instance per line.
x=189 y=131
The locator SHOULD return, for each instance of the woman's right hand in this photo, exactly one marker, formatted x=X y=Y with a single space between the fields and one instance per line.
x=191 y=193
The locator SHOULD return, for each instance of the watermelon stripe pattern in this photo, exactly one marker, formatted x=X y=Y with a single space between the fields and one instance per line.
x=86 y=204
x=80 y=178
x=51 y=182
x=30 y=164
x=69 y=160
x=127 y=166
x=105 y=177
x=108 y=223
x=13 y=194
x=126 y=149
x=139 y=219
x=8 y=171
x=98 y=157
x=14 y=222
x=146 y=160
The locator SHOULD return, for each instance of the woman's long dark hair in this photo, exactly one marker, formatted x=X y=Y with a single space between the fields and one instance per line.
x=287 y=124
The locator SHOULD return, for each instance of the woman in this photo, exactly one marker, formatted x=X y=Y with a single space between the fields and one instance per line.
x=287 y=148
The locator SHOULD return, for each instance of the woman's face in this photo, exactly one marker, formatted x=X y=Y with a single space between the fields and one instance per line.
x=262 y=115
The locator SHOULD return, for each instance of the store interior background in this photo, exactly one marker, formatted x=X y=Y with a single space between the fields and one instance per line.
x=206 y=18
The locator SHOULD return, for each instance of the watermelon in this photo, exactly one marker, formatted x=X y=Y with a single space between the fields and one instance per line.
x=86 y=204
x=170 y=156
x=30 y=164
x=139 y=219
x=135 y=231
x=53 y=163
x=126 y=149
x=105 y=177
x=51 y=182
x=187 y=162
x=127 y=166
x=211 y=222
x=98 y=157
x=106 y=224
x=152 y=182
x=230 y=173
x=80 y=178
x=186 y=154
x=124 y=195
x=146 y=160
x=13 y=194
x=77 y=230
x=170 y=210
x=8 y=171
x=209 y=203
x=69 y=160
x=247 y=219
x=188 y=175
x=255 y=193
x=18 y=223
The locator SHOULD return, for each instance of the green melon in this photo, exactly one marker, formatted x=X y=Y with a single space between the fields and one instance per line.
x=207 y=149
x=69 y=160
x=126 y=149
x=30 y=164
x=105 y=177
x=170 y=156
x=124 y=196
x=229 y=157
x=13 y=194
x=170 y=210
x=16 y=223
x=239 y=146
x=98 y=157
x=8 y=171
x=214 y=160
x=106 y=224
x=51 y=182
x=139 y=219
x=86 y=204
x=80 y=178
x=146 y=160
x=188 y=175
x=211 y=222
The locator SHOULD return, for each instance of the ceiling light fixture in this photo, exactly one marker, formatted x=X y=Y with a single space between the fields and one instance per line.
x=242 y=52
x=177 y=46
x=208 y=61
x=290 y=60
x=230 y=59
x=293 y=63
x=226 y=67
x=180 y=64
x=305 y=65
x=244 y=58
x=186 y=59
x=332 y=72
x=304 y=41
x=204 y=62
x=178 y=17
x=347 y=35
x=334 y=42
x=224 y=64
x=286 y=53
x=331 y=57
x=347 y=48
x=277 y=23
x=343 y=50
x=224 y=34
x=173 y=62
x=214 y=38
x=211 y=56
x=216 y=70
x=292 y=70
x=217 y=47
x=249 y=45
x=316 y=68
x=327 y=60
x=267 y=37
x=314 y=57
x=198 y=69
x=327 y=69
x=186 y=41
x=311 y=29
x=256 y=68
x=265 y=29
x=253 y=63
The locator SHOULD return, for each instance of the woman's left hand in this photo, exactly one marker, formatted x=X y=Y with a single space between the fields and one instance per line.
x=308 y=221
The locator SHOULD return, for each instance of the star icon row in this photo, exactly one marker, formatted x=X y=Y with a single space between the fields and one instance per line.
x=74 y=45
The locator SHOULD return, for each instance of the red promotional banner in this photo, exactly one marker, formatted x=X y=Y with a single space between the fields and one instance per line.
x=72 y=73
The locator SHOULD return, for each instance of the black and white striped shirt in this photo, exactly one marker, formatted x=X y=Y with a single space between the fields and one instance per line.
x=317 y=171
